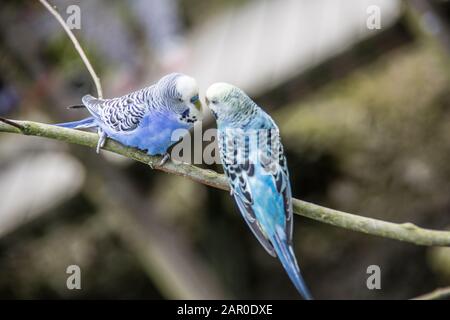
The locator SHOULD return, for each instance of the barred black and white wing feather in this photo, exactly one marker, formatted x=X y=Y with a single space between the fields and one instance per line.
x=120 y=114
x=281 y=177
x=274 y=166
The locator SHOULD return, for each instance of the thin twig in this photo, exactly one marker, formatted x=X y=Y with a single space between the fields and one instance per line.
x=438 y=294
x=77 y=47
x=12 y=123
x=403 y=232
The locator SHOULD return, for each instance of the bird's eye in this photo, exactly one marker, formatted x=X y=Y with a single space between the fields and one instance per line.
x=213 y=101
x=180 y=99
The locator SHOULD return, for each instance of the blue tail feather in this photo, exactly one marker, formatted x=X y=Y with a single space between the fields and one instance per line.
x=286 y=255
x=79 y=124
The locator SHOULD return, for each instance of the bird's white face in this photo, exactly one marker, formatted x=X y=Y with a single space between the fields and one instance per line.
x=188 y=89
x=218 y=99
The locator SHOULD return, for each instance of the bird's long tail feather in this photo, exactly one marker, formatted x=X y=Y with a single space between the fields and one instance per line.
x=80 y=124
x=286 y=255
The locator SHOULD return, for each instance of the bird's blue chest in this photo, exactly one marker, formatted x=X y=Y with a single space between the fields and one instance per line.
x=154 y=133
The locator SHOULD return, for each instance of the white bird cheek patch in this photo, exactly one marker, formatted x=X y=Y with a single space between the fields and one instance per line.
x=197 y=113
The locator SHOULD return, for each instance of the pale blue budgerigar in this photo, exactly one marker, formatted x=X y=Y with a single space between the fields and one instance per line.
x=254 y=163
x=146 y=118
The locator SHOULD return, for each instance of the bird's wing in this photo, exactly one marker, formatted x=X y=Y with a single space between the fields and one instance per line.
x=238 y=174
x=274 y=164
x=119 y=114
x=281 y=178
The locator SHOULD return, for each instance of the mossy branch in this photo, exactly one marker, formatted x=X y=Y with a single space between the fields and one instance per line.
x=407 y=232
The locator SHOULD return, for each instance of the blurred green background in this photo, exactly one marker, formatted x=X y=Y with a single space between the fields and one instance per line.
x=365 y=120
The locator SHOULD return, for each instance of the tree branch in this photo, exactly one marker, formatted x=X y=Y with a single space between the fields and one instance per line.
x=403 y=232
x=77 y=45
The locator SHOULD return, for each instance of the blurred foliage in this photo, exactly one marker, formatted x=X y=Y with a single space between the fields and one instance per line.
x=196 y=10
x=33 y=261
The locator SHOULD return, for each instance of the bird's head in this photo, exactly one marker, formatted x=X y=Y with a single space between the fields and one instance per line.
x=182 y=94
x=228 y=103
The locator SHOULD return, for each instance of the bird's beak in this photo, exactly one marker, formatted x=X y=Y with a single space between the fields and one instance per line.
x=198 y=105
x=196 y=102
x=212 y=111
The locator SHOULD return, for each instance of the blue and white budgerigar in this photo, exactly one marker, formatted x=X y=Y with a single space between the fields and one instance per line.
x=146 y=118
x=254 y=163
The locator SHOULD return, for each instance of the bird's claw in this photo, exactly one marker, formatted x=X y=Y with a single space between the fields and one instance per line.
x=161 y=163
x=101 y=140
x=164 y=159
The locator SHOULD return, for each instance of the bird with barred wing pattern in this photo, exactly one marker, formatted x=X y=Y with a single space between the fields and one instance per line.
x=254 y=163
x=147 y=118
